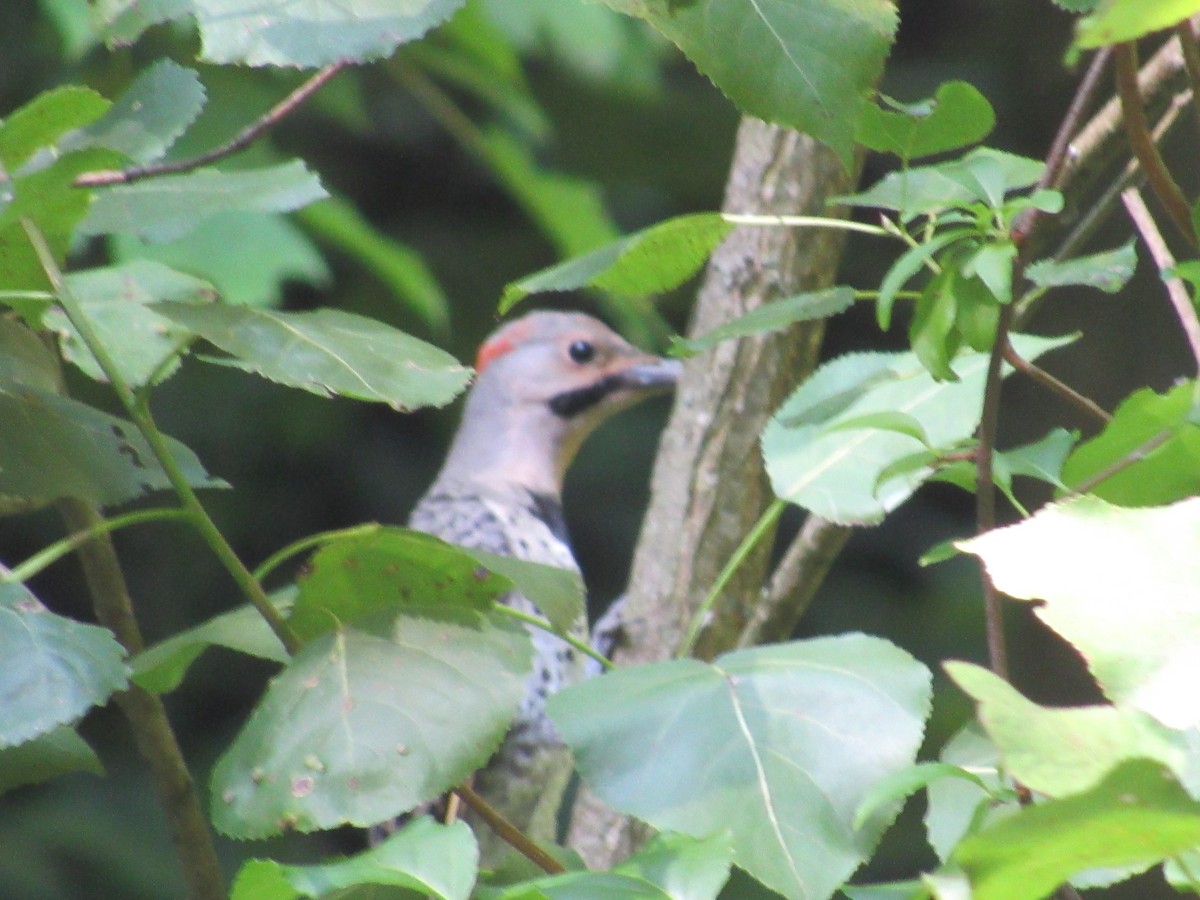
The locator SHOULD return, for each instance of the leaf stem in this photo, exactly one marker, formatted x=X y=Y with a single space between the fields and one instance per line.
x=1084 y=404
x=140 y=414
x=240 y=141
x=60 y=548
x=1141 y=141
x=295 y=548
x=544 y=624
x=804 y=222
x=769 y=517
x=509 y=832
x=1176 y=292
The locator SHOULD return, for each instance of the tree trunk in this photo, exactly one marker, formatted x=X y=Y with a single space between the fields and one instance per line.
x=709 y=485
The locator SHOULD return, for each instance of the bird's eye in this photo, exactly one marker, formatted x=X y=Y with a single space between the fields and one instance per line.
x=581 y=351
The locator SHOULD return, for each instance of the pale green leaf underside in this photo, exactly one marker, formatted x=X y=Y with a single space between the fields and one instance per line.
x=52 y=669
x=777 y=744
x=813 y=462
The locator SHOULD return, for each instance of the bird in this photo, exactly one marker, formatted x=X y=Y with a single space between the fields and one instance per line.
x=543 y=383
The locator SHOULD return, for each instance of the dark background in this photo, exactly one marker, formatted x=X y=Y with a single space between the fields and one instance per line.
x=657 y=138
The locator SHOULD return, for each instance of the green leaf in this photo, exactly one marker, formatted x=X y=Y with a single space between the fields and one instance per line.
x=837 y=473
x=122 y=21
x=25 y=360
x=115 y=301
x=778 y=744
x=887 y=420
x=685 y=868
x=931 y=332
x=935 y=189
x=773 y=316
x=311 y=33
x=397 y=570
x=957 y=116
x=956 y=806
x=907 y=266
x=52 y=669
x=1085 y=558
x=907 y=782
x=167 y=208
x=43 y=120
x=246 y=256
x=161 y=668
x=327 y=352
x=57 y=752
x=437 y=860
x=1116 y=21
x=57 y=447
x=802 y=63
x=1059 y=752
x=360 y=728
x=1042 y=459
x=150 y=115
x=993 y=264
x=1108 y=271
x=585 y=886
x=1138 y=815
x=1168 y=472
x=48 y=198
x=647 y=262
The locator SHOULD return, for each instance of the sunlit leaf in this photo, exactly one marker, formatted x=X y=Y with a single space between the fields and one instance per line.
x=1086 y=559
x=957 y=116
x=1148 y=454
x=647 y=262
x=361 y=727
x=1138 y=814
x=327 y=352
x=52 y=669
x=1115 y=21
x=777 y=744
x=43 y=120
x=1064 y=751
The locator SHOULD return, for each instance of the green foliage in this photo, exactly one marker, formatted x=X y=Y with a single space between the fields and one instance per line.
x=57 y=752
x=326 y=352
x=1114 y=21
x=773 y=316
x=434 y=860
x=851 y=474
x=357 y=730
x=698 y=747
x=957 y=116
x=813 y=60
x=54 y=668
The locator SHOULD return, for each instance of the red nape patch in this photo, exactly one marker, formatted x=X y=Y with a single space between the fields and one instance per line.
x=503 y=341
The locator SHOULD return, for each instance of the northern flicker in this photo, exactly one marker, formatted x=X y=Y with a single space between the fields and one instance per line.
x=544 y=383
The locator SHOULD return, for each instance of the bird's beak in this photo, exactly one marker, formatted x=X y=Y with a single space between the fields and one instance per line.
x=651 y=374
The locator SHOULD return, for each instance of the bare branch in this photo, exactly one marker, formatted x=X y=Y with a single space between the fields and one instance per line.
x=241 y=141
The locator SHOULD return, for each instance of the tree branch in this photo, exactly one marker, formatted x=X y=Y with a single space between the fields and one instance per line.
x=1176 y=291
x=241 y=141
x=1086 y=406
x=186 y=821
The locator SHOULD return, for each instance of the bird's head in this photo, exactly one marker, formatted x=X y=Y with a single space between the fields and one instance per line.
x=545 y=381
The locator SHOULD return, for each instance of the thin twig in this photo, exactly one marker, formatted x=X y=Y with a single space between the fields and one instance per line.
x=794 y=581
x=243 y=139
x=1141 y=141
x=508 y=832
x=1084 y=404
x=1191 y=61
x=187 y=824
x=1176 y=291
x=1131 y=458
